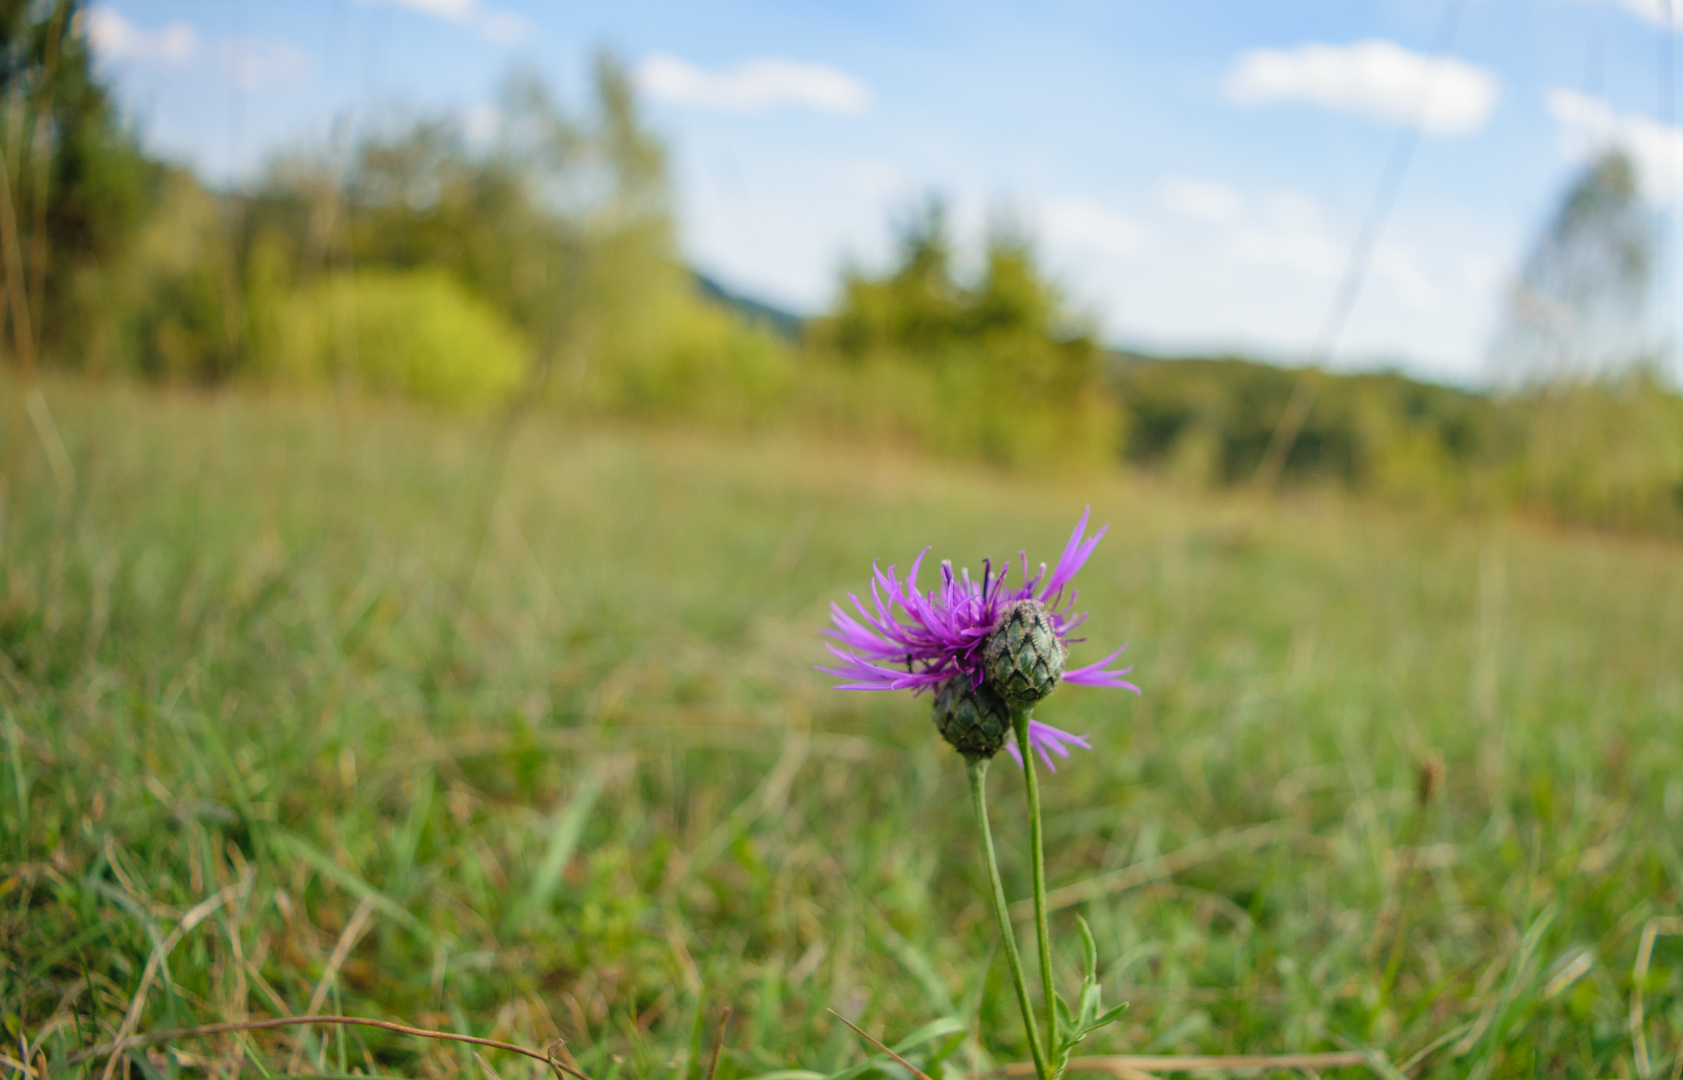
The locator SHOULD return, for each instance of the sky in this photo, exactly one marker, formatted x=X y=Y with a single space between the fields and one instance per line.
x=1195 y=174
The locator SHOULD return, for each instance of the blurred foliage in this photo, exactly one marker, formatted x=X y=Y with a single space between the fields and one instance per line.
x=420 y=262
x=997 y=368
x=418 y=333
x=174 y=306
x=561 y=227
x=79 y=183
x=538 y=262
x=1606 y=452
x=1208 y=421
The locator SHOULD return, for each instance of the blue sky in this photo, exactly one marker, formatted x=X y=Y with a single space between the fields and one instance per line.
x=1194 y=172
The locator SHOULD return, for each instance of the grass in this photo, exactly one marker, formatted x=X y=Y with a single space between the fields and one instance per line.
x=275 y=699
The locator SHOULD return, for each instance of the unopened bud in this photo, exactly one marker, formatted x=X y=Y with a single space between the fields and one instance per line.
x=972 y=718
x=1022 y=656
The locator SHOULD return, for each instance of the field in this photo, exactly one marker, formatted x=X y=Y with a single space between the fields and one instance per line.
x=319 y=705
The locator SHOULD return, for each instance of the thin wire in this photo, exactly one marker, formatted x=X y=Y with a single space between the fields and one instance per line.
x=1668 y=117
x=241 y=64
x=1360 y=259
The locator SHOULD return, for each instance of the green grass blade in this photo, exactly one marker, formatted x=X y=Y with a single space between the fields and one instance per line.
x=353 y=884
x=564 y=836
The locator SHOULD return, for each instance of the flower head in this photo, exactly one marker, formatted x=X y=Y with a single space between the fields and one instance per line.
x=908 y=639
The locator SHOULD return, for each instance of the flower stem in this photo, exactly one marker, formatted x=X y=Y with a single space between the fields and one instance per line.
x=1037 y=858
x=979 y=799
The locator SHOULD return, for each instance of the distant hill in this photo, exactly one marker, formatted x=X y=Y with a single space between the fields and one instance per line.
x=786 y=324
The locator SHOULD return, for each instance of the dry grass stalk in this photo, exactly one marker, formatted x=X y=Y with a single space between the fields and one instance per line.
x=116 y=1047
x=1126 y=1065
x=909 y=1067
x=347 y=940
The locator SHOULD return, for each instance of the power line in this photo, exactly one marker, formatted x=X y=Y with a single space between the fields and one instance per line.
x=1668 y=117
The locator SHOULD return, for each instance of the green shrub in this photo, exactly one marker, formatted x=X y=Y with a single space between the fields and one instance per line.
x=707 y=364
x=974 y=403
x=169 y=308
x=995 y=367
x=1607 y=453
x=417 y=333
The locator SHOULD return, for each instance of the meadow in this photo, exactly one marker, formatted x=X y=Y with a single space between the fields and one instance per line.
x=329 y=705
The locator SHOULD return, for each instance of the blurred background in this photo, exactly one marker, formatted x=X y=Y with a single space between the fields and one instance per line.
x=898 y=225
x=435 y=431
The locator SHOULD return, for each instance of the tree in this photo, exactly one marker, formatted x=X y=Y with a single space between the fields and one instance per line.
x=79 y=183
x=1004 y=367
x=1578 y=308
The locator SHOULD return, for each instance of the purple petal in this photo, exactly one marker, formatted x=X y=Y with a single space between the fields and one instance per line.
x=1095 y=675
x=880 y=678
x=911 y=579
x=1073 y=559
x=1044 y=738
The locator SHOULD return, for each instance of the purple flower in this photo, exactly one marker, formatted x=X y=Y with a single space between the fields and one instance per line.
x=1045 y=737
x=906 y=639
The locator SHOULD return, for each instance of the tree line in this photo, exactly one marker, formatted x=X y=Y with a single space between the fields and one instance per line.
x=541 y=265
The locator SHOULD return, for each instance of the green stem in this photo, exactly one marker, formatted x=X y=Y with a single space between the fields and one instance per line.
x=979 y=799
x=1037 y=858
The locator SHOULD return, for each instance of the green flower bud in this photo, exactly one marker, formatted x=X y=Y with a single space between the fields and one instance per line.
x=973 y=719
x=1022 y=656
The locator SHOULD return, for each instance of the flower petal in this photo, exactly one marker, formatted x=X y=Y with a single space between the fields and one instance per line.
x=1095 y=675
x=1075 y=556
x=1047 y=740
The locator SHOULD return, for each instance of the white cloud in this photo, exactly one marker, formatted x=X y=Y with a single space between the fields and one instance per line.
x=1480 y=272
x=1078 y=222
x=501 y=27
x=253 y=63
x=115 y=38
x=1589 y=126
x=1260 y=283
x=454 y=10
x=1655 y=11
x=1200 y=200
x=256 y=64
x=881 y=180
x=1287 y=234
x=754 y=86
x=1404 y=270
x=1376 y=79
x=482 y=123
